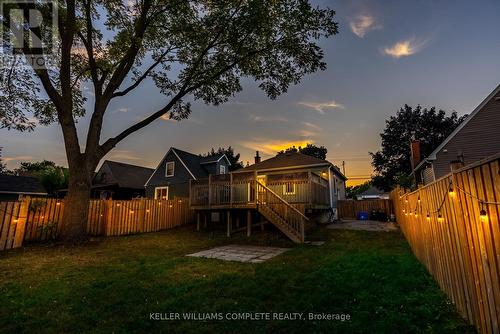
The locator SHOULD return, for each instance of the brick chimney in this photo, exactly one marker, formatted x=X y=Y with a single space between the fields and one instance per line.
x=415 y=153
x=257 y=157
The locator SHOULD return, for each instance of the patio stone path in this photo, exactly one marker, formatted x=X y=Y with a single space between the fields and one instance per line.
x=365 y=225
x=241 y=253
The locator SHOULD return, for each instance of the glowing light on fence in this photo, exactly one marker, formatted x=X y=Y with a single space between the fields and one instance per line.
x=170 y=206
x=483 y=216
x=418 y=200
x=428 y=217
x=58 y=203
x=147 y=210
x=118 y=204
x=440 y=218
x=416 y=214
x=131 y=211
x=451 y=191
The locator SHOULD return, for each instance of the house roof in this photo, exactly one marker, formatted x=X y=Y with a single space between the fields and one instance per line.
x=10 y=184
x=372 y=191
x=290 y=160
x=192 y=162
x=127 y=175
x=434 y=153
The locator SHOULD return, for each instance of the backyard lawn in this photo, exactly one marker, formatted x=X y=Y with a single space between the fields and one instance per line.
x=112 y=285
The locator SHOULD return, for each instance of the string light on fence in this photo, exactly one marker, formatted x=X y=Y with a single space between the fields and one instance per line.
x=58 y=203
x=416 y=214
x=428 y=217
x=131 y=211
x=483 y=216
x=440 y=218
x=418 y=200
x=451 y=191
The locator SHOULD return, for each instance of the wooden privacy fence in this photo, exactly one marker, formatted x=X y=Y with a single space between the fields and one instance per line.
x=38 y=219
x=351 y=208
x=453 y=228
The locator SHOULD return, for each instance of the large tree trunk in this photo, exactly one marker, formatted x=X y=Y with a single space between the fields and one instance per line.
x=76 y=206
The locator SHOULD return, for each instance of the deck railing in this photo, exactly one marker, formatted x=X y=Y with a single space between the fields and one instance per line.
x=285 y=216
x=224 y=190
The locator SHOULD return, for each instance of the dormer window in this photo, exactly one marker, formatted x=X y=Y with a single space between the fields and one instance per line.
x=170 y=169
x=222 y=169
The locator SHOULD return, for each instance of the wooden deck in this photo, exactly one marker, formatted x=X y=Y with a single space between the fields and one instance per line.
x=242 y=192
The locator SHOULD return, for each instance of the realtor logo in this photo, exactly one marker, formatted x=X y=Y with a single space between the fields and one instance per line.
x=28 y=31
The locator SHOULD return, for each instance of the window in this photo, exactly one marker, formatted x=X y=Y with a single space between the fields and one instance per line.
x=170 y=169
x=289 y=188
x=222 y=169
x=161 y=193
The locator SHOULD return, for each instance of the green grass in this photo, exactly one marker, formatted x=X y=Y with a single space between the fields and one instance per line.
x=112 y=285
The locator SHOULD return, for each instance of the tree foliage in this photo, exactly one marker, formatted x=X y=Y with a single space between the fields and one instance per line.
x=3 y=167
x=353 y=191
x=430 y=126
x=234 y=158
x=51 y=176
x=310 y=149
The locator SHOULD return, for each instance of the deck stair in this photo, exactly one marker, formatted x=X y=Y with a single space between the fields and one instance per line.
x=280 y=213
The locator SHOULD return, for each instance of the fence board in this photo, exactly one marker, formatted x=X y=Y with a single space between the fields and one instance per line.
x=461 y=249
x=351 y=208
x=39 y=219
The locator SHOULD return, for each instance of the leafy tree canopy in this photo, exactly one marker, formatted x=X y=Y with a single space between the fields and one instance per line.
x=3 y=167
x=51 y=176
x=310 y=149
x=353 y=191
x=430 y=126
x=234 y=158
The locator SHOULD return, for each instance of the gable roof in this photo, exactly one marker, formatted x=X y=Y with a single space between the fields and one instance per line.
x=10 y=184
x=192 y=162
x=290 y=160
x=372 y=191
x=434 y=153
x=127 y=175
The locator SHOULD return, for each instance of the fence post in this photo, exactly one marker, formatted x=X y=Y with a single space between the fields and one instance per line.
x=21 y=223
x=108 y=217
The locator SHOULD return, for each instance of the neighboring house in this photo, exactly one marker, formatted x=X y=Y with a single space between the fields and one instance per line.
x=15 y=187
x=476 y=138
x=283 y=190
x=372 y=193
x=172 y=176
x=118 y=180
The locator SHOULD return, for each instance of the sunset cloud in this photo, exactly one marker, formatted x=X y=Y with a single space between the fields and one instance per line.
x=262 y=118
x=272 y=146
x=404 y=48
x=321 y=107
x=362 y=24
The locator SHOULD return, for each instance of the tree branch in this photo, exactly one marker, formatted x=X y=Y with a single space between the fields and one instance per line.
x=142 y=77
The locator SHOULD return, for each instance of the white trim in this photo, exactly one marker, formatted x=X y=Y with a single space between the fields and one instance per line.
x=160 y=188
x=434 y=153
x=182 y=162
x=166 y=168
x=163 y=159
x=212 y=161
